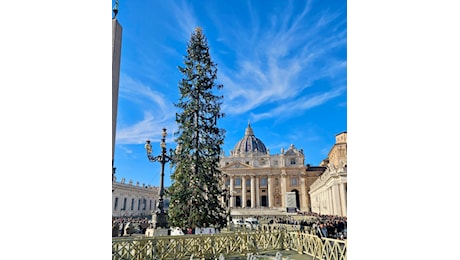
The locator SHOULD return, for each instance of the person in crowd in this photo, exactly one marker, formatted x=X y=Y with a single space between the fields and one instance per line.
x=122 y=228
x=324 y=229
x=115 y=228
x=321 y=231
x=330 y=230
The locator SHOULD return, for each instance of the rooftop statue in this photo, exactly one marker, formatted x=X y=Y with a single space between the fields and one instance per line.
x=115 y=9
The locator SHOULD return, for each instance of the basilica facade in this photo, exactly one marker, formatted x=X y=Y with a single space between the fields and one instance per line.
x=130 y=199
x=257 y=179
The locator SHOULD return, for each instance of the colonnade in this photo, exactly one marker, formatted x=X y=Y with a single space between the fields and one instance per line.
x=270 y=190
x=330 y=199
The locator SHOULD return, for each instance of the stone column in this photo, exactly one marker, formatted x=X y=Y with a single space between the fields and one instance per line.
x=343 y=199
x=223 y=199
x=326 y=201
x=270 y=195
x=336 y=200
x=232 y=188
x=322 y=209
x=315 y=200
x=253 y=191
x=329 y=195
x=319 y=203
x=243 y=191
x=257 y=192
x=303 y=195
x=283 y=189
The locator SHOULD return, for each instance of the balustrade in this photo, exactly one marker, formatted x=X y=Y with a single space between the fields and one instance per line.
x=227 y=244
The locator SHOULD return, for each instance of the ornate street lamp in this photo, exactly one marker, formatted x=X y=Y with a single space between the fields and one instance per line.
x=160 y=221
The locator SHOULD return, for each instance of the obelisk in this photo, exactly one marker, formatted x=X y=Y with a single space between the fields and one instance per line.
x=116 y=57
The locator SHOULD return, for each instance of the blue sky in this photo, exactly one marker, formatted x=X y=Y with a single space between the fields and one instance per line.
x=283 y=65
x=400 y=103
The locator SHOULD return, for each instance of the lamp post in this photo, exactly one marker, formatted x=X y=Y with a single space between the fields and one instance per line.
x=160 y=221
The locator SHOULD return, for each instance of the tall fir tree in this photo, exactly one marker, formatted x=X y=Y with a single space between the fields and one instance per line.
x=196 y=192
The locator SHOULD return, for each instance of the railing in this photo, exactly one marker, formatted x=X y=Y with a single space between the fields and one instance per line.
x=227 y=244
x=319 y=248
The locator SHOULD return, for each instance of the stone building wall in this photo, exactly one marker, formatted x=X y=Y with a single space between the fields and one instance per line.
x=133 y=200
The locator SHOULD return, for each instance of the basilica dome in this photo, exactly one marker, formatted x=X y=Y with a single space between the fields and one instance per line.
x=249 y=143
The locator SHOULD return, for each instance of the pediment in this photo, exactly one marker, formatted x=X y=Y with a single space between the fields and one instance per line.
x=237 y=165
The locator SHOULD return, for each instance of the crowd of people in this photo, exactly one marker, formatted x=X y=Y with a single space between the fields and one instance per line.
x=324 y=226
x=126 y=226
x=331 y=227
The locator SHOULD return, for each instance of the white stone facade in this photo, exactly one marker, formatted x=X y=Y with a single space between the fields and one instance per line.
x=257 y=179
x=133 y=200
x=329 y=192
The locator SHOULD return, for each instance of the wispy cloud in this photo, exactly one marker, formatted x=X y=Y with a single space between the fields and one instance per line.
x=126 y=149
x=155 y=109
x=185 y=17
x=299 y=105
x=143 y=94
x=268 y=71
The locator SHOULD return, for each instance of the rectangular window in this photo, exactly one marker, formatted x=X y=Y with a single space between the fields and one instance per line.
x=132 y=204
x=275 y=162
x=124 y=204
x=248 y=183
x=238 y=182
x=227 y=182
x=263 y=182
x=150 y=207
x=145 y=204
x=292 y=160
x=116 y=204
x=294 y=182
x=139 y=204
